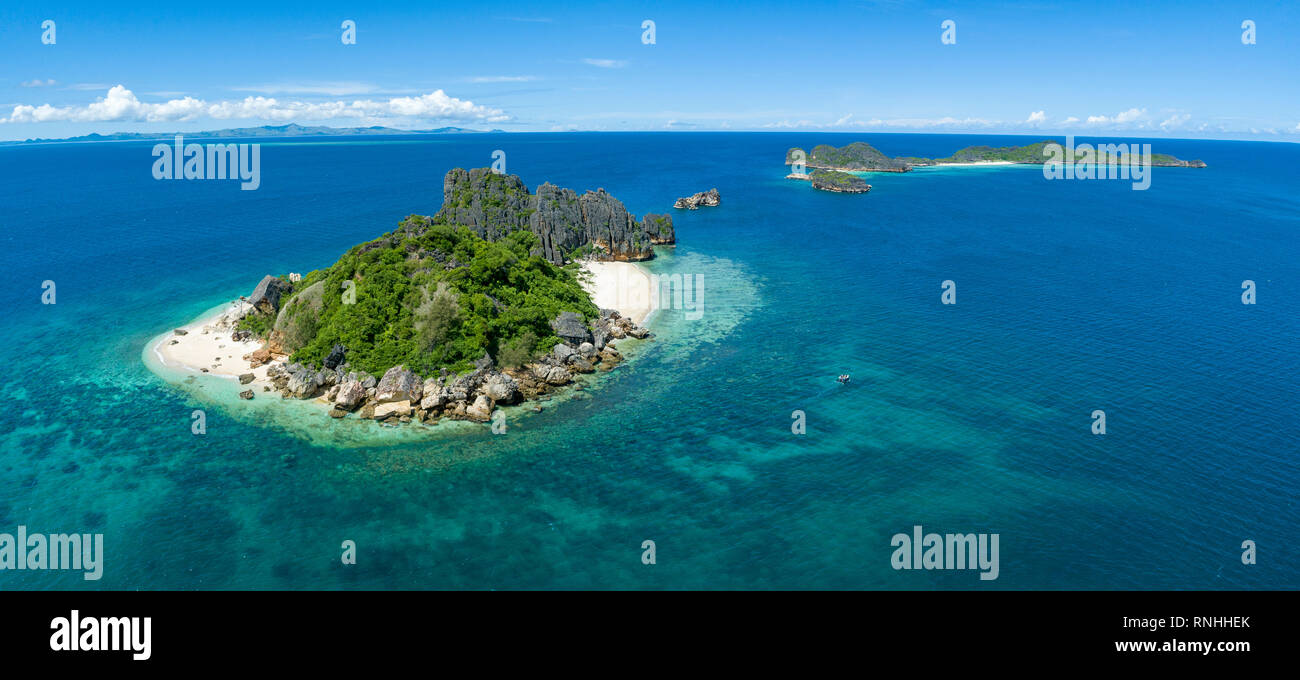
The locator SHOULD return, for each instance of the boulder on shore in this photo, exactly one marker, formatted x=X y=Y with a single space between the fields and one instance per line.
x=398 y=384
x=350 y=395
x=337 y=353
x=266 y=297
x=570 y=327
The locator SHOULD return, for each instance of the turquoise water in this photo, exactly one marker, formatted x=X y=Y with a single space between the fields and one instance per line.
x=1072 y=296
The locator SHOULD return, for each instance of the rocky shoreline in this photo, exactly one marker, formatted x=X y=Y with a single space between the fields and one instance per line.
x=400 y=395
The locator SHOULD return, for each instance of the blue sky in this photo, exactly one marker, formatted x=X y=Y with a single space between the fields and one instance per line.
x=1126 y=68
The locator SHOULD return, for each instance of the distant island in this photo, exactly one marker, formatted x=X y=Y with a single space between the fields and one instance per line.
x=862 y=157
x=491 y=301
x=832 y=166
x=289 y=130
x=835 y=181
x=856 y=157
x=1035 y=154
x=710 y=198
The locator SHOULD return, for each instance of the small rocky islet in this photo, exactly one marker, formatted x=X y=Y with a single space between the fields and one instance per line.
x=453 y=315
x=710 y=198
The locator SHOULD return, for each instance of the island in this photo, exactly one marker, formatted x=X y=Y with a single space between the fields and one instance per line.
x=1038 y=154
x=839 y=182
x=709 y=198
x=494 y=300
x=855 y=157
x=862 y=157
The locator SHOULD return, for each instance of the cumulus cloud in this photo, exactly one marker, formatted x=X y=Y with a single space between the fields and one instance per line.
x=606 y=63
x=1121 y=118
x=1037 y=117
x=1175 y=121
x=122 y=105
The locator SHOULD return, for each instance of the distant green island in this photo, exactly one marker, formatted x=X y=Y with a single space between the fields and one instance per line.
x=856 y=157
x=862 y=157
x=831 y=166
x=838 y=182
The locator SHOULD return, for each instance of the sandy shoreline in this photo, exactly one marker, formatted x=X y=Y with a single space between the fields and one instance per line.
x=621 y=286
x=207 y=344
x=966 y=165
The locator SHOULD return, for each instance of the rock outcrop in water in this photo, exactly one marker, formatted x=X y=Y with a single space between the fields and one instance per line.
x=839 y=182
x=709 y=198
x=492 y=205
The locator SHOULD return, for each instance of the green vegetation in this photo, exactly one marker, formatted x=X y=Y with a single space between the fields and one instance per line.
x=855 y=156
x=430 y=296
x=833 y=180
x=1037 y=153
x=862 y=156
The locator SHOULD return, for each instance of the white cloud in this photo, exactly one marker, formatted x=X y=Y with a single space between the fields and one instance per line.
x=1037 y=117
x=1175 y=121
x=38 y=83
x=1121 y=118
x=122 y=105
x=788 y=124
x=606 y=63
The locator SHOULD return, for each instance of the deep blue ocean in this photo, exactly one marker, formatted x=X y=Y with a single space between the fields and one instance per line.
x=1072 y=296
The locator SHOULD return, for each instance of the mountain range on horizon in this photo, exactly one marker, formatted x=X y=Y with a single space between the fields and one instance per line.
x=287 y=130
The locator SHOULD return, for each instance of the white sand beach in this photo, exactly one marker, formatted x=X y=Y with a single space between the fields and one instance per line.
x=968 y=165
x=621 y=286
x=207 y=344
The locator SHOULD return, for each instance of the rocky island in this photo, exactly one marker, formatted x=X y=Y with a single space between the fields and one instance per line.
x=855 y=157
x=486 y=303
x=862 y=157
x=709 y=198
x=839 y=182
